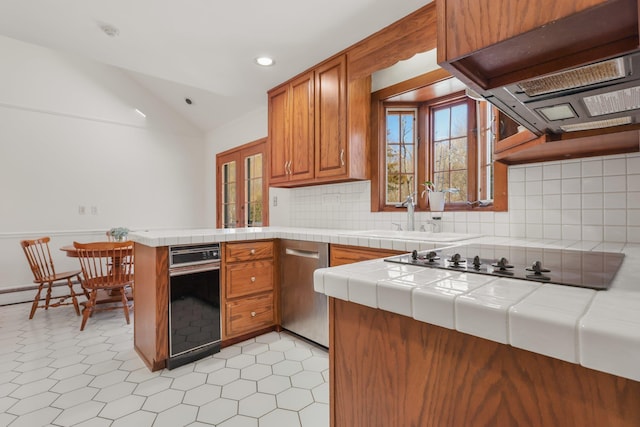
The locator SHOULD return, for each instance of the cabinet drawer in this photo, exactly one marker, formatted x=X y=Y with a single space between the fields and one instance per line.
x=249 y=314
x=249 y=278
x=248 y=251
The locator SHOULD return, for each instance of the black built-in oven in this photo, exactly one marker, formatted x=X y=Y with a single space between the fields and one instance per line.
x=194 y=303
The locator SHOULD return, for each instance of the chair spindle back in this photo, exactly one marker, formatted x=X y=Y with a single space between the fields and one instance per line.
x=39 y=258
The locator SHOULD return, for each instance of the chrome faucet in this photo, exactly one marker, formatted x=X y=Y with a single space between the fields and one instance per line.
x=410 y=203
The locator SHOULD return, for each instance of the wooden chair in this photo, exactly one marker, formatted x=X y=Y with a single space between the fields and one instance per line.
x=106 y=266
x=44 y=273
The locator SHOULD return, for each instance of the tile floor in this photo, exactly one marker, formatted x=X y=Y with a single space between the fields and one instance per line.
x=51 y=374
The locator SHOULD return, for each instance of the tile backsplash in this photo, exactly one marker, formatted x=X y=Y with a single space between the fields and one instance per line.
x=596 y=198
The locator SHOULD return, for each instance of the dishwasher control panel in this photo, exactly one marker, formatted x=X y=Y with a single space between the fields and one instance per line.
x=193 y=254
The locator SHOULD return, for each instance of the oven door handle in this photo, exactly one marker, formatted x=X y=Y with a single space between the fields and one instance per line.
x=181 y=271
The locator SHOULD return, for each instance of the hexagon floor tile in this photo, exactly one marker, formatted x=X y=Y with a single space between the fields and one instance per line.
x=53 y=374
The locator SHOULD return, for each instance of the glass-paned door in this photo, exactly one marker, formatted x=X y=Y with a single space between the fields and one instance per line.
x=253 y=169
x=242 y=187
x=229 y=194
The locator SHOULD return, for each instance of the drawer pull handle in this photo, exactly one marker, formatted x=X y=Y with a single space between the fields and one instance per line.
x=252 y=251
x=253 y=279
x=253 y=314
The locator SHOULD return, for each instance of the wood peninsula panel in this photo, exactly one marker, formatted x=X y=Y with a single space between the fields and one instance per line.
x=341 y=254
x=393 y=371
x=151 y=305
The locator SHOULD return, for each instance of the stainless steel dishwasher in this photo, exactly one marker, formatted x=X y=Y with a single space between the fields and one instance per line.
x=304 y=311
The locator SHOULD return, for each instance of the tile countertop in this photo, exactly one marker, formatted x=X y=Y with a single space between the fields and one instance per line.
x=597 y=329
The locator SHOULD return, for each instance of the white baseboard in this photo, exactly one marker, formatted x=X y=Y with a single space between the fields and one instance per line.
x=27 y=293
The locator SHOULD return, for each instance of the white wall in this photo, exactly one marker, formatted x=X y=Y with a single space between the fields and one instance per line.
x=248 y=128
x=70 y=137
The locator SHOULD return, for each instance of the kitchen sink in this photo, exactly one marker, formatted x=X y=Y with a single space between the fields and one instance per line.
x=424 y=236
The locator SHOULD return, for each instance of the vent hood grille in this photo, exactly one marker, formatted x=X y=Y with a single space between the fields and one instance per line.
x=598 y=124
x=613 y=102
x=578 y=77
x=594 y=96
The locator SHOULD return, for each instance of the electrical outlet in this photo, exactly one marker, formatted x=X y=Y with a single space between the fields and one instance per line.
x=82 y=210
x=94 y=210
x=275 y=201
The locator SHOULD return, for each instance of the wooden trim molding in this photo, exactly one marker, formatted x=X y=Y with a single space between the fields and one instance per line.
x=413 y=34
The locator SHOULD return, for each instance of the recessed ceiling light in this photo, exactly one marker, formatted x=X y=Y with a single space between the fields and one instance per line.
x=265 y=61
x=141 y=113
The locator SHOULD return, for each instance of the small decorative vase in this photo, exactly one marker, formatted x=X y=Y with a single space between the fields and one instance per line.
x=436 y=201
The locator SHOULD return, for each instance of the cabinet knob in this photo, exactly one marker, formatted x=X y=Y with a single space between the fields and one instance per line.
x=253 y=279
x=252 y=251
x=253 y=314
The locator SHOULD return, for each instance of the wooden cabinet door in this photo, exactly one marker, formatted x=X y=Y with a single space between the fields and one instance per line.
x=341 y=255
x=249 y=314
x=248 y=278
x=302 y=130
x=331 y=119
x=248 y=251
x=278 y=135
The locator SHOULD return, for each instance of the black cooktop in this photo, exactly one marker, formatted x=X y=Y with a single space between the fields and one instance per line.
x=586 y=269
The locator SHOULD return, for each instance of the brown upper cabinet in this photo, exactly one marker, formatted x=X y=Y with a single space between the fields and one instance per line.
x=291 y=131
x=318 y=124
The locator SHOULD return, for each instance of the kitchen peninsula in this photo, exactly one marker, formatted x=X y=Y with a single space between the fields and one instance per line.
x=411 y=346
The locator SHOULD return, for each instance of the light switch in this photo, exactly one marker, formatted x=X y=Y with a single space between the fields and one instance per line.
x=82 y=210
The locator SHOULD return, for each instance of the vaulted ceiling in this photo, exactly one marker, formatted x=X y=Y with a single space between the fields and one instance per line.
x=202 y=49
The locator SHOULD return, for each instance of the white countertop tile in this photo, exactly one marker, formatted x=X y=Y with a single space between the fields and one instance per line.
x=363 y=285
x=609 y=334
x=483 y=312
x=435 y=302
x=546 y=322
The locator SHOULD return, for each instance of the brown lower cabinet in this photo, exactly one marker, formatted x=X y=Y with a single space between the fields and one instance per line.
x=341 y=254
x=248 y=288
x=248 y=296
x=393 y=371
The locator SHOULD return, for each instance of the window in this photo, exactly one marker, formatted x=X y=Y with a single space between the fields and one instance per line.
x=452 y=147
x=401 y=154
x=485 y=154
x=446 y=155
x=242 y=187
x=450 y=143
